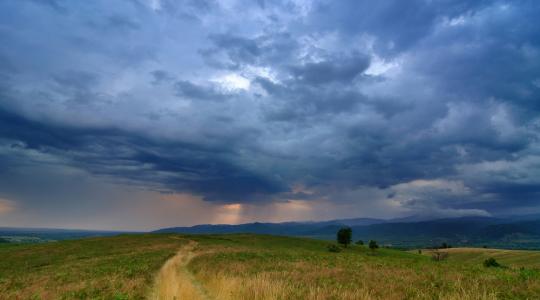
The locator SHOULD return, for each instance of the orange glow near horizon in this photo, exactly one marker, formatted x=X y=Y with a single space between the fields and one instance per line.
x=6 y=206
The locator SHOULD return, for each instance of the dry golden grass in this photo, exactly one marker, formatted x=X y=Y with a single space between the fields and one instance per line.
x=303 y=283
x=267 y=287
x=509 y=258
x=264 y=267
x=254 y=267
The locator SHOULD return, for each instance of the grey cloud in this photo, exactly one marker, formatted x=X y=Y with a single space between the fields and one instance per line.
x=54 y=4
x=238 y=48
x=336 y=97
x=78 y=80
x=233 y=51
x=188 y=9
x=133 y=159
x=193 y=91
x=396 y=25
x=341 y=70
x=161 y=76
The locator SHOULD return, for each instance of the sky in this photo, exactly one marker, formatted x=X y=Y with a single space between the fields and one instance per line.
x=141 y=114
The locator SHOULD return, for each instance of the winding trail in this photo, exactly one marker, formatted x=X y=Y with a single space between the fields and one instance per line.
x=175 y=282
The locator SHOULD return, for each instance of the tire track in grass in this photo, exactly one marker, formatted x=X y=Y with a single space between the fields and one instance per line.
x=175 y=282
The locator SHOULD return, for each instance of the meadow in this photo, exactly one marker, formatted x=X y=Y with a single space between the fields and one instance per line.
x=246 y=266
x=508 y=258
x=120 y=267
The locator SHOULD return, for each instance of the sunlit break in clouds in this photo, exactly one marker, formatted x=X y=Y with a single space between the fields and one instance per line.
x=140 y=114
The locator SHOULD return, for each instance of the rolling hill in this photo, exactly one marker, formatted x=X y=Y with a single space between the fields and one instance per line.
x=247 y=266
x=36 y=235
x=464 y=231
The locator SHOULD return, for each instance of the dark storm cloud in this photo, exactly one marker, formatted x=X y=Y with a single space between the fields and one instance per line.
x=397 y=25
x=162 y=166
x=232 y=51
x=427 y=101
x=77 y=80
x=341 y=70
x=193 y=91
x=238 y=48
x=161 y=76
x=304 y=102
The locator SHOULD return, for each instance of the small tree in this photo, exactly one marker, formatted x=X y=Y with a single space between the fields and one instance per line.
x=373 y=245
x=360 y=242
x=344 y=236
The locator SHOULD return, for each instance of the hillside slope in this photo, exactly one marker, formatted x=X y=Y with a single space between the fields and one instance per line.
x=464 y=231
x=120 y=267
x=508 y=258
x=246 y=266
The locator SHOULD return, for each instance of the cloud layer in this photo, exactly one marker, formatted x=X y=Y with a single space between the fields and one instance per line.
x=346 y=108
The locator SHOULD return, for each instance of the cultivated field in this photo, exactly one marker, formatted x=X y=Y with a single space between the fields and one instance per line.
x=255 y=267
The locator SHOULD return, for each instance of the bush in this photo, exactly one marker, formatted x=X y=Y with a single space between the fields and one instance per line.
x=439 y=256
x=334 y=248
x=419 y=251
x=491 y=262
x=373 y=245
x=344 y=236
x=360 y=242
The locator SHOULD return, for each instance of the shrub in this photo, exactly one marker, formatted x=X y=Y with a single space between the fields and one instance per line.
x=360 y=242
x=439 y=256
x=419 y=251
x=373 y=245
x=333 y=248
x=344 y=236
x=491 y=262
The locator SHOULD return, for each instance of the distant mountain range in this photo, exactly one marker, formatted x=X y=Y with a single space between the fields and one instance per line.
x=35 y=235
x=514 y=232
x=416 y=231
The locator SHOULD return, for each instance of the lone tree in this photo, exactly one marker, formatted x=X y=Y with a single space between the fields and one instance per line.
x=344 y=236
x=373 y=245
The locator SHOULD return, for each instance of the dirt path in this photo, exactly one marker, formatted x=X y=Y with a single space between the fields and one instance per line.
x=175 y=282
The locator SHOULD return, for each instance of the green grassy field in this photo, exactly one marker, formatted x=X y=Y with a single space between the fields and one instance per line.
x=259 y=267
x=121 y=267
x=508 y=258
